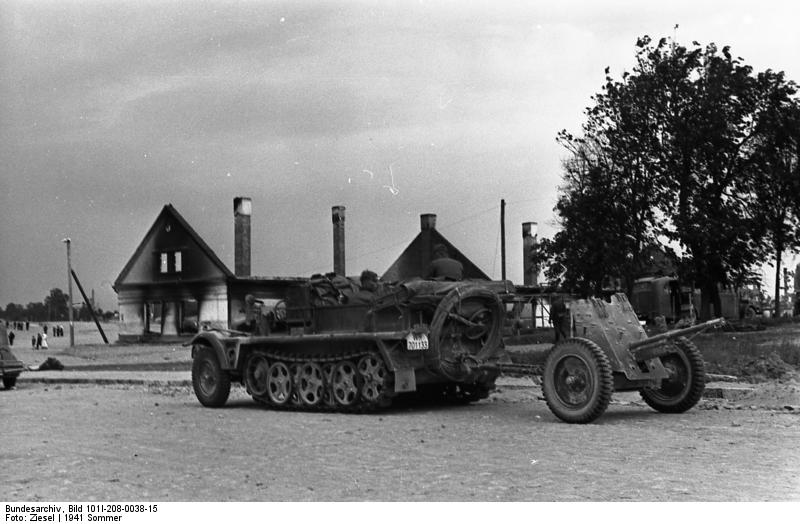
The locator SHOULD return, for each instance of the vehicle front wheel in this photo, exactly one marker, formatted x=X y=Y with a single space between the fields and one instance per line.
x=211 y=383
x=577 y=382
x=684 y=386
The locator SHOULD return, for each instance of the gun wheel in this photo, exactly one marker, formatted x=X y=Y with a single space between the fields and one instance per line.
x=684 y=386
x=279 y=383
x=310 y=384
x=345 y=384
x=578 y=382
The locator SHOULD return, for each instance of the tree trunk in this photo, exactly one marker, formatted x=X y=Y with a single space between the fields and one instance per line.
x=778 y=284
x=710 y=302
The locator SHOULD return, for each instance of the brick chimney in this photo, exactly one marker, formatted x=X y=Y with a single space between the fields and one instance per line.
x=427 y=221
x=337 y=215
x=427 y=224
x=242 y=209
x=530 y=272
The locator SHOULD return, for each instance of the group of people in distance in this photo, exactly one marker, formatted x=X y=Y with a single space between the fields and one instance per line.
x=442 y=267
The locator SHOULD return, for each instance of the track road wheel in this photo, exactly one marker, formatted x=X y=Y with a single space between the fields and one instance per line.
x=375 y=379
x=310 y=384
x=577 y=382
x=256 y=373
x=295 y=370
x=279 y=384
x=686 y=382
x=327 y=394
x=345 y=384
x=211 y=384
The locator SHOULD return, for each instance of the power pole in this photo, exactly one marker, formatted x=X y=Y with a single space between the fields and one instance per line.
x=503 y=237
x=68 y=241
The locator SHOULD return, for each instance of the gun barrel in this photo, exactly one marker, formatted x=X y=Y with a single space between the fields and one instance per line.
x=676 y=333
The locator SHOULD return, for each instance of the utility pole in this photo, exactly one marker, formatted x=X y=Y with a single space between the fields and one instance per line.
x=503 y=237
x=68 y=241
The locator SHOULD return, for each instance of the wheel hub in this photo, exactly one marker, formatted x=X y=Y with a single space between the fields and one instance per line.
x=208 y=380
x=573 y=383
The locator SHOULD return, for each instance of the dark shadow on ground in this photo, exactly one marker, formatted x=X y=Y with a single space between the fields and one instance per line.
x=151 y=366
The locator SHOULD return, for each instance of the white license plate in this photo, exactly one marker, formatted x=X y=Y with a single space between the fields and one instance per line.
x=417 y=342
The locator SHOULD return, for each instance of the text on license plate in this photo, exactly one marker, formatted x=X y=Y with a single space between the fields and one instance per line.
x=417 y=342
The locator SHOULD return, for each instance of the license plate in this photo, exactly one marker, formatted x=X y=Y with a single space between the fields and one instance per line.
x=417 y=342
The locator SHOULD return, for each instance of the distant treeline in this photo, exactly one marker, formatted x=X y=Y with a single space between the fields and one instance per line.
x=54 y=307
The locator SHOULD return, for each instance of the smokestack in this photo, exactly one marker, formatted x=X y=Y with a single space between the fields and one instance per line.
x=337 y=215
x=242 y=209
x=530 y=272
x=427 y=221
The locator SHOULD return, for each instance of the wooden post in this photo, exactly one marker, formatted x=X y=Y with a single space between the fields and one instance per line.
x=503 y=237
x=91 y=308
x=68 y=241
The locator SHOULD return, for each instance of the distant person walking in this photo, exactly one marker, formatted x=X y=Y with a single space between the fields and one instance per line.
x=38 y=341
x=33 y=341
x=11 y=336
x=44 y=341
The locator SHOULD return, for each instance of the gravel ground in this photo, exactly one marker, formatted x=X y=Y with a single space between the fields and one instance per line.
x=156 y=443
x=128 y=443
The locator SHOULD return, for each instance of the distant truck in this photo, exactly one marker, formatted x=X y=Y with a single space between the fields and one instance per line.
x=667 y=297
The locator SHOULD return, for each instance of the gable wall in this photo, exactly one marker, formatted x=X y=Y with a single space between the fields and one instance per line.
x=169 y=236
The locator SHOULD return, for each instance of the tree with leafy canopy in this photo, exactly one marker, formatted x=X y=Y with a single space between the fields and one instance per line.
x=666 y=156
x=776 y=166
x=57 y=304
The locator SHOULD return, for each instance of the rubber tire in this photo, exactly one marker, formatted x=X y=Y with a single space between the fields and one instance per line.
x=10 y=382
x=693 y=368
x=600 y=378
x=218 y=395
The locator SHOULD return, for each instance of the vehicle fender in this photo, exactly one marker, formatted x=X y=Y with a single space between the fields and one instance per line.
x=217 y=344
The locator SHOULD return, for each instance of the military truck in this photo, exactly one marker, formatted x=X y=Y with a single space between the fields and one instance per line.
x=669 y=298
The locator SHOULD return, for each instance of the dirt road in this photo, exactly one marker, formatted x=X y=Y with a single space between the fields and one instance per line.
x=131 y=443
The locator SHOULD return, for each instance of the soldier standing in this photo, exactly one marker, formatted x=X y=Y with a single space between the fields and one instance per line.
x=443 y=267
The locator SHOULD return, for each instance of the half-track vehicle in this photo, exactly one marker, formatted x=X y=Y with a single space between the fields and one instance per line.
x=607 y=350
x=318 y=350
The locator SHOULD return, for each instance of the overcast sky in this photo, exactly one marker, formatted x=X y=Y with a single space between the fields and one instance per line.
x=111 y=109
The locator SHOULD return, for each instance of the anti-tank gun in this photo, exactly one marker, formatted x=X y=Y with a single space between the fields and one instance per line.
x=608 y=350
